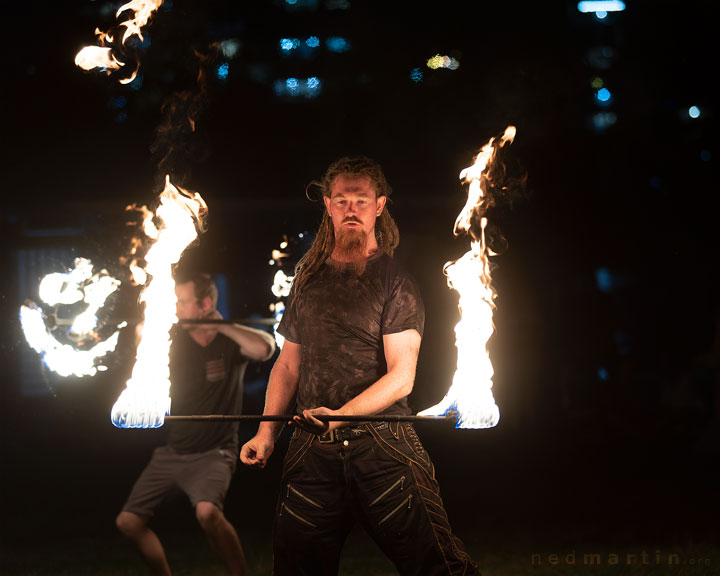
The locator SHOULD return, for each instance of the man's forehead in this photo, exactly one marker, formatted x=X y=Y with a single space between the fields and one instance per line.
x=345 y=184
x=186 y=287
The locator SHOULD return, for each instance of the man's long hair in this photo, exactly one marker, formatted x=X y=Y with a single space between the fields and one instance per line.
x=386 y=231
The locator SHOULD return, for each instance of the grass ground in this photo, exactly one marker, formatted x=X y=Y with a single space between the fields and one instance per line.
x=497 y=555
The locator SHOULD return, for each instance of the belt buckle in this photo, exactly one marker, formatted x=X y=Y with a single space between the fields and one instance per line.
x=328 y=438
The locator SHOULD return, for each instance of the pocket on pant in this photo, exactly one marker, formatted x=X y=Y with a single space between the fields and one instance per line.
x=285 y=509
x=296 y=450
x=406 y=504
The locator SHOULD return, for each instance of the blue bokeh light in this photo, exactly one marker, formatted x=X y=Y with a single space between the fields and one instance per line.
x=600 y=6
x=223 y=70
x=337 y=44
x=313 y=42
x=604 y=95
x=694 y=112
x=416 y=75
x=288 y=44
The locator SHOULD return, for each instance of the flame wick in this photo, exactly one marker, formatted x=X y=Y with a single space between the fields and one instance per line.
x=103 y=56
x=470 y=394
x=146 y=399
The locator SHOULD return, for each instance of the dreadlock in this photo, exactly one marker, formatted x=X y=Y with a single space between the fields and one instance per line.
x=386 y=232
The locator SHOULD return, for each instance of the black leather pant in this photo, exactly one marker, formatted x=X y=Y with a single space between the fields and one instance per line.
x=382 y=478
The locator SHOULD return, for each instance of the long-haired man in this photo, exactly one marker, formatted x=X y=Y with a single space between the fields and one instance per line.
x=352 y=332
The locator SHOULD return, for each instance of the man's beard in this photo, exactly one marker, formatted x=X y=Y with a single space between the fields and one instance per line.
x=352 y=244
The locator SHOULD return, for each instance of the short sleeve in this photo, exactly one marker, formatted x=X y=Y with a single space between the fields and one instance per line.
x=404 y=309
x=288 y=327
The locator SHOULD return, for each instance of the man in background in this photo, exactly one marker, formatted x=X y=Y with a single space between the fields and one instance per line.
x=207 y=364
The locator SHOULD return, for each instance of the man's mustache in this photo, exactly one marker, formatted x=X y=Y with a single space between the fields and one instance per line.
x=351 y=219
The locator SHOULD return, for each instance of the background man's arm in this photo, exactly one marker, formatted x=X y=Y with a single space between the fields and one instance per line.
x=279 y=399
x=254 y=344
x=401 y=354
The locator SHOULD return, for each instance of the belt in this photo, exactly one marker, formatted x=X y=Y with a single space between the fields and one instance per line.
x=349 y=433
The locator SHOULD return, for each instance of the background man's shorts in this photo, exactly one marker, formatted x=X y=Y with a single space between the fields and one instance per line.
x=203 y=476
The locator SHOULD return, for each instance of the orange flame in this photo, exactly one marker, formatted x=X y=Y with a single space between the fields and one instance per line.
x=102 y=56
x=146 y=400
x=470 y=394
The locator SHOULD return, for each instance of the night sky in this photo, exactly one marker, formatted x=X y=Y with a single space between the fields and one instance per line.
x=607 y=336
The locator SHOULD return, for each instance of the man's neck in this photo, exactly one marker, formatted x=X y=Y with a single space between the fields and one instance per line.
x=202 y=336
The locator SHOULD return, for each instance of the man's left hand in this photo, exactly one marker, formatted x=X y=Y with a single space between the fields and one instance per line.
x=311 y=424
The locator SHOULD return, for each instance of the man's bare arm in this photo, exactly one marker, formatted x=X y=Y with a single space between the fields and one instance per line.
x=401 y=354
x=279 y=398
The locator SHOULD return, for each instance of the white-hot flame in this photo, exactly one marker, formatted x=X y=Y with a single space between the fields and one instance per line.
x=282 y=283
x=102 y=55
x=470 y=394
x=79 y=286
x=146 y=398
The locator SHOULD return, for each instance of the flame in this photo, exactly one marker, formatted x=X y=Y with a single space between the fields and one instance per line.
x=79 y=285
x=280 y=288
x=470 y=394
x=102 y=55
x=146 y=399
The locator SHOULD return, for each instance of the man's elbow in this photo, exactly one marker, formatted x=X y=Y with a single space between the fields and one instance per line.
x=405 y=386
x=269 y=349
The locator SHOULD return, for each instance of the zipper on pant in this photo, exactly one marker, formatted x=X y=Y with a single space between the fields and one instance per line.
x=397 y=509
x=302 y=496
x=296 y=516
x=400 y=481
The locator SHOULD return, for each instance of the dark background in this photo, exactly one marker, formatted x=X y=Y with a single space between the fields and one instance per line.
x=606 y=345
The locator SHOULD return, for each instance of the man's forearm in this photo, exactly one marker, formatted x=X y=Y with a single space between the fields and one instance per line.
x=381 y=395
x=279 y=398
x=255 y=344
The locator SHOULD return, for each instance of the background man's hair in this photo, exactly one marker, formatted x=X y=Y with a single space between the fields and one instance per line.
x=386 y=232
x=203 y=285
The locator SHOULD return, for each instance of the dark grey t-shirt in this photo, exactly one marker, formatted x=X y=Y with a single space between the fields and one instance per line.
x=205 y=380
x=339 y=320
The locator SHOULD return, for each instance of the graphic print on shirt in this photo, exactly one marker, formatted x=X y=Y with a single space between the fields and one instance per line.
x=215 y=370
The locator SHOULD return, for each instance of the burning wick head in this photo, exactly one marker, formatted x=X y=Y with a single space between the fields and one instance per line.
x=106 y=56
x=470 y=394
x=146 y=400
x=71 y=344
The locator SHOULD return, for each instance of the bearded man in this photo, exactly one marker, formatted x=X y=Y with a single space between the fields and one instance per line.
x=352 y=329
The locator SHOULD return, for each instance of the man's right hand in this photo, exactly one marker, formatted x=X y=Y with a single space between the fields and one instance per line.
x=256 y=451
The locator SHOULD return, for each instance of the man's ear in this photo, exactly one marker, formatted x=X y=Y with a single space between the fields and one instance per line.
x=327 y=204
x=380 y=205
x=206 y=304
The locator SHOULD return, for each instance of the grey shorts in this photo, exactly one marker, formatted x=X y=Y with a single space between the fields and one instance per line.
x=203 y=477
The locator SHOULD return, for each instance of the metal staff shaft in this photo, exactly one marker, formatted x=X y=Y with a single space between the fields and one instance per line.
x=262 y=321
x=324 y=418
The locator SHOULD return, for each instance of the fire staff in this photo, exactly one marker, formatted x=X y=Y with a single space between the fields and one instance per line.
x=207 y=362
x=352 y=329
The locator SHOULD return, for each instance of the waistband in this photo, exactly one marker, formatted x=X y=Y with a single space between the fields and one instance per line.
x=350 y=432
